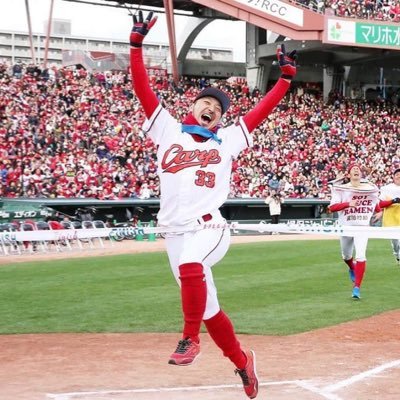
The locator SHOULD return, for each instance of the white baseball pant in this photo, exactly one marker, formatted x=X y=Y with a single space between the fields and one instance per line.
x=206 y=247
x=359 y=243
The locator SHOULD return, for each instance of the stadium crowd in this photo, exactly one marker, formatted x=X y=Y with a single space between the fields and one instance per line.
x=381 y=10
x=68 y=133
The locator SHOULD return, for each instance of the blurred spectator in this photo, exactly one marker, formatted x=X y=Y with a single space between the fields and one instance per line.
x=17 y=70
x=274 y=201
x=382 y=10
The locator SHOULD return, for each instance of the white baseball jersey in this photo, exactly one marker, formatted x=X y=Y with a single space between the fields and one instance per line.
x=366 y=196
x=391 y=214
x=194 y=176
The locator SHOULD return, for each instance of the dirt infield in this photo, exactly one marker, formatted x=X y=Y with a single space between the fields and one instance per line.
x=358 y=360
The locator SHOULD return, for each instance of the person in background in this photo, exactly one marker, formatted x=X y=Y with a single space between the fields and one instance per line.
x=391 y=214
x=355 y=202
x=274 y=201
x=54 y=223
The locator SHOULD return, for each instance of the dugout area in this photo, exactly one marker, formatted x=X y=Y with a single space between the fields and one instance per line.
x=122 y=210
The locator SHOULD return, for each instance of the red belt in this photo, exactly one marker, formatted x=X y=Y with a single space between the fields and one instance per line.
x=206 y=217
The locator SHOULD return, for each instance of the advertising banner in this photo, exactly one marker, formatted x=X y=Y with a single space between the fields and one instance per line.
x=277 y=9
x=20 y=210
x=360 y=33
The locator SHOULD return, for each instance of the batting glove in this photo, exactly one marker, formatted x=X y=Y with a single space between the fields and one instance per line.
x=287 y=62
x=141 y=28
x=396 y=200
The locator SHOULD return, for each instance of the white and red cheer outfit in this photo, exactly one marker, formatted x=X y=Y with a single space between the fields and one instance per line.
x=195 y=182
x=367 y=203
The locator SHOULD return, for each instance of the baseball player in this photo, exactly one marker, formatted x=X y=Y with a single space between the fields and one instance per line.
x=194 y=166
x=355 y=202
x=391 y=214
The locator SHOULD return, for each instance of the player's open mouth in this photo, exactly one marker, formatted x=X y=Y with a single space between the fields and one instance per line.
x=206 y=118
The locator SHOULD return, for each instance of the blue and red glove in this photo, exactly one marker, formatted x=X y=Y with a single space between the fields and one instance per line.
x=287 y=62
x=141 y=28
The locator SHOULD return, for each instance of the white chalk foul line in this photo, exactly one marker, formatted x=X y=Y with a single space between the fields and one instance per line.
x=308 y=386
x=326 y=392
x=361 y=376
x=67 y=396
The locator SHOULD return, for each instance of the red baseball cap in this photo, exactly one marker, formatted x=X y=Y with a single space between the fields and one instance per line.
x=352 y=165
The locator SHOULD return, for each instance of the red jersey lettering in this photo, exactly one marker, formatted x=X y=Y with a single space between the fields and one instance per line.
x=175 y=158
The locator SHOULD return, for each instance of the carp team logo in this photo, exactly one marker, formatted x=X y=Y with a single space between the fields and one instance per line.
x=176 y=159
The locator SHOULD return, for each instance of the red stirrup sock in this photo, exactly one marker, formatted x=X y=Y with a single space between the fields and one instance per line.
x=194 y=297
x=359 y=270
x=221 y=331
x=350 y=263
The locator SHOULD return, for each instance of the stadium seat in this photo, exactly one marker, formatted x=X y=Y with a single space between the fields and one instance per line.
x=30 y=227
x=27 y=227
x=62 y=243
x=73 y=225
x=66 y=225
x=87 y=225
x=42 y=226
x=6 y=246
x=91 y=225
x=76 y=225
x=99 y=224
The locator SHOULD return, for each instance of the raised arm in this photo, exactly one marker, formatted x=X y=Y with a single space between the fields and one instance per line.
x=341 y=206
x=140 y=79
x=388 y=203
x=287 y=64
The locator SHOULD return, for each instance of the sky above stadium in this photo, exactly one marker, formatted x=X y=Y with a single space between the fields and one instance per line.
x=113 y=23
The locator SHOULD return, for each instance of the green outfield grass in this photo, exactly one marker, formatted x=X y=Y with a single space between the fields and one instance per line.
x=267 y=288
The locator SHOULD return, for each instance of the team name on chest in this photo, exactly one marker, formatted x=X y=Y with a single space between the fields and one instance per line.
x=175 y=158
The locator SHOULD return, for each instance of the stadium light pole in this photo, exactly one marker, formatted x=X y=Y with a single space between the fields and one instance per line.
x=28 y=17
x=46 y=51
x=169 y=12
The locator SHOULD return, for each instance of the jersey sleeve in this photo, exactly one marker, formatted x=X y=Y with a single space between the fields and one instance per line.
x=338 y=206
x=261 y=111
x=236 y=137
x=385 y=203
x=140 y=82
x=159 y=124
